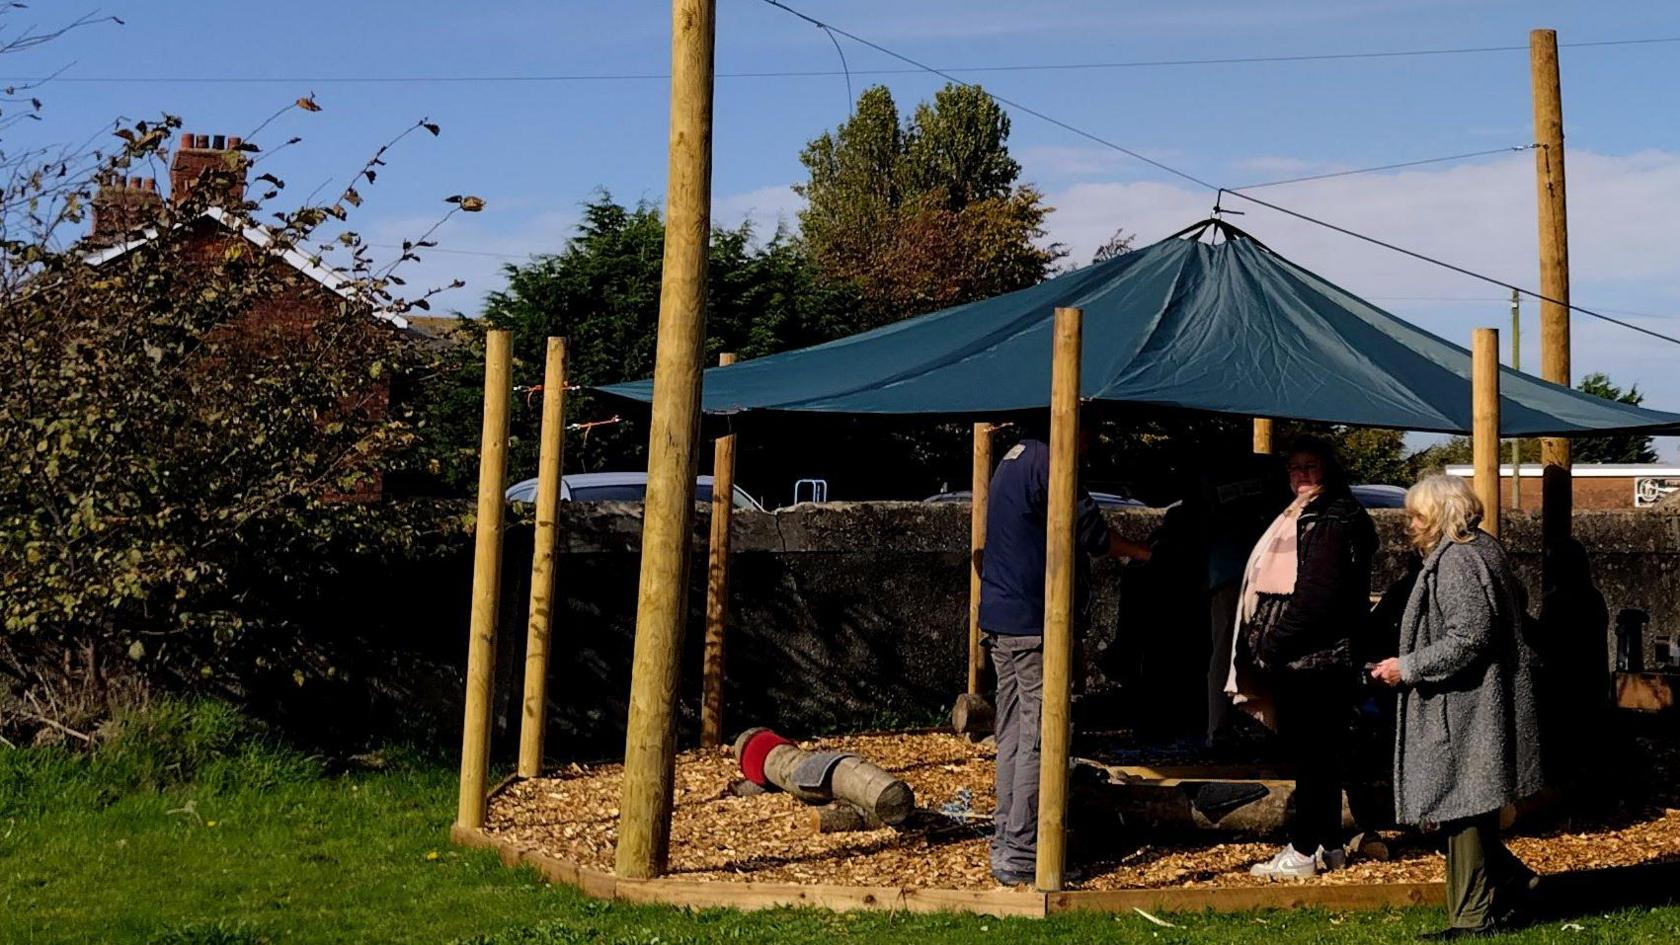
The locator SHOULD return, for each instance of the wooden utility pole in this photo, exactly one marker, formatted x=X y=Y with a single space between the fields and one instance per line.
x=717 y=585
x=550 y=462
x=1262 y=436
x=1056 y=730
x=644 y=826
x=980 y=493
x=1484 y=423
x=1556 y=490
x=1516 y=365
x=487 y=574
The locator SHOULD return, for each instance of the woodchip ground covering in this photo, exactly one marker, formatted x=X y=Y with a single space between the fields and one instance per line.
x=769 y=838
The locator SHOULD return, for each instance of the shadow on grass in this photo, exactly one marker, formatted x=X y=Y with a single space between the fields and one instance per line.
x=1580 y=893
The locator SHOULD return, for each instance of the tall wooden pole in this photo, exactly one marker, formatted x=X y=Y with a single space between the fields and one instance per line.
x=644 y=826
x=980 y=492
x=1484 y=423
x=550 y=463
x=1262 y=436
x=1516 y=365
x=717 y=585
x=1056 y=731
x=1556 y=490
x=487 y=574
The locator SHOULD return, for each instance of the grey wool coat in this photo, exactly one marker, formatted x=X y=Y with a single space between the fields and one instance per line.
x=1467 y=740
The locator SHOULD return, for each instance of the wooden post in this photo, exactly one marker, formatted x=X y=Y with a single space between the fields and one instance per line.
x=487 y=574
x=717 y=585
x=1516 y=365
x=1555 y=489
x=1262 y=436
x=550 y=464
x=980 y=492
x=1484 y=423
x=644 y=825
x=1059 y=566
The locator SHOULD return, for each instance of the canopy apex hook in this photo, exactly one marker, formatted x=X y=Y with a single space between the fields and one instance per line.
x=1218 y=199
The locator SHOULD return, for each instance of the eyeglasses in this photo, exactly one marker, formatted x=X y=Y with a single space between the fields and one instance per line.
x=1303 y=467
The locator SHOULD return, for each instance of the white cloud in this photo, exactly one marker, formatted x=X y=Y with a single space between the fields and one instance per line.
x=765 y=208
x=1055 y=161
x=1279 y=166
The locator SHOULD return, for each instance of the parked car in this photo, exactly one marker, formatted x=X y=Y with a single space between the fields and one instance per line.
x=1107 y=500
x=619 y=487
x=1380 y=496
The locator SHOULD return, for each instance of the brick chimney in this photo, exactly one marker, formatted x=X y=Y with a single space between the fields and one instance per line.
x=199 y=155
x=123 y=205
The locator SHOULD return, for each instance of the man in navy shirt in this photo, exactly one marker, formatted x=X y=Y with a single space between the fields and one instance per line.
x=1012 y=616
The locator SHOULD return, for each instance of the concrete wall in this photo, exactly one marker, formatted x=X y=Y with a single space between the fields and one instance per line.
x=854 y=615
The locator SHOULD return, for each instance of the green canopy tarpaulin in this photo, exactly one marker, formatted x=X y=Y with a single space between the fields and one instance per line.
x=1231 y=328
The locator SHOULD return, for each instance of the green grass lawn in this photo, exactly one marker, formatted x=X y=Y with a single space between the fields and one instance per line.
x=218 y=839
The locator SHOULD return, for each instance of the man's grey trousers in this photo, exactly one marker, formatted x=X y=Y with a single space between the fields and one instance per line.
x=1019 y=662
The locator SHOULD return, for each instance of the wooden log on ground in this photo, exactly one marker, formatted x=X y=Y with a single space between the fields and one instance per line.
x=972 y=715
x=851 y=778
x=1247 y=809
x=1382 y=847
x=841 y=817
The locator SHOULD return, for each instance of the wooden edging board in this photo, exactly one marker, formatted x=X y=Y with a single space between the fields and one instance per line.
x=997 y=902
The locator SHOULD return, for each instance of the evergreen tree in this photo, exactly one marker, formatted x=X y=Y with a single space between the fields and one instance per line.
x=922 y=215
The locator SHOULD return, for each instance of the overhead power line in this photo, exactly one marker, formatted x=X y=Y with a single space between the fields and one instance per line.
x=828 y=73
x=1386 y=167
x=993 y=95
x=1220 y=191
x=1455 y=268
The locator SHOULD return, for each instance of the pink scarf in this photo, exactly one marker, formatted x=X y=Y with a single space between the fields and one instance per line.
x=1270 y=570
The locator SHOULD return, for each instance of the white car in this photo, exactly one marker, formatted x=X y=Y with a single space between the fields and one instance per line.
x=1104 y=500
x=618 y=487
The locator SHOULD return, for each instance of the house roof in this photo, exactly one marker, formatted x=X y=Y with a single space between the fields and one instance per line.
x=328 y=278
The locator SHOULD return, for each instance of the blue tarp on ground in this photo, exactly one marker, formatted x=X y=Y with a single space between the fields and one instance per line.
x=1230 y=328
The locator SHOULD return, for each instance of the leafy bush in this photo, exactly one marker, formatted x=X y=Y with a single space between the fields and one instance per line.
x=178 y=434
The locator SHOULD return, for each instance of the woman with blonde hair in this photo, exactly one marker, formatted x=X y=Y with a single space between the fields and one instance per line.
x=1466 y=742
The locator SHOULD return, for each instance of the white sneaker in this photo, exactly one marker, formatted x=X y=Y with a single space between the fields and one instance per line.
x=1288 y=864
x=1330 y=859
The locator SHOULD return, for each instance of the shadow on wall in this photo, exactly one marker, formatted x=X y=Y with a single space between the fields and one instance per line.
x=843 y=617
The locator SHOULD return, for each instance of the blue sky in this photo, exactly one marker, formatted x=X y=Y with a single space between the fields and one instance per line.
x=535 y=150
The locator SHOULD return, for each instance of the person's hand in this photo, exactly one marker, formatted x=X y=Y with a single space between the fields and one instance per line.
x=1387 y=672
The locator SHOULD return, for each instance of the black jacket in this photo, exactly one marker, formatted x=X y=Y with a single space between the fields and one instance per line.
x=1331 y=604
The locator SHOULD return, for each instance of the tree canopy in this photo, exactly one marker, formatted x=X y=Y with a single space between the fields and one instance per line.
x=601 y=293
x=187 y=427
x=923 y=214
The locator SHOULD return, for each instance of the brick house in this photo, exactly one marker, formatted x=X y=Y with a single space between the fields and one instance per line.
x=1595 y=485
x=124 y=219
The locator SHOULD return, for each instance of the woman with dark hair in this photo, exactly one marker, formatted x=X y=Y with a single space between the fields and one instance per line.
x=1305 y=597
